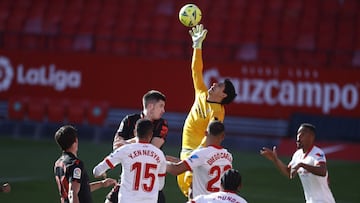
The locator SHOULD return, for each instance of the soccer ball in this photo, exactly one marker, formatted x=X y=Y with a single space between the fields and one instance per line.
x=190 y=15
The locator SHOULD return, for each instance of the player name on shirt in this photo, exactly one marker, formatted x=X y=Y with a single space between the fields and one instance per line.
x=218 y=156
x=227 y=198
x=144 y=152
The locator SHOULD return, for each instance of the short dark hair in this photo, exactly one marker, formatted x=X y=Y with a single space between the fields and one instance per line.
x=65 y=136
x=216 y=128
x=230 y=91
x=309 y=126
x=231 y=180
x=143 y=128
x=153 y=96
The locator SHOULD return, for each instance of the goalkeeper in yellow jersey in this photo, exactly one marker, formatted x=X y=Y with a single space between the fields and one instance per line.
x=208 y=105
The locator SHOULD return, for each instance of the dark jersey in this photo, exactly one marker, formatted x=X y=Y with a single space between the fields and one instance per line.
x=127 y=126
x=68 y=168
x=126 y=131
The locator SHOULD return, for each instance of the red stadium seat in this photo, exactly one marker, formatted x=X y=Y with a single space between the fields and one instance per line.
x=76 y=111
x=288 y=32
x=61 y=43
x=5 y=10
x=11 y=41
x=329 y=8
x=102 y=45
x=16 y=20
x=270 y=30
x=293 y=5
x=97 y=112
x=349 y=9
x=232 y=37
x=56 y=110
x=123 y=47
x=83 y=43
x=160 y=29
x=345 y=38
x=289 y=58
x=174 y=50
x=275 y=5
x=17 y=108
x=326 y=33
x=33 y=42
x=36 y=109
x=341 y=60
x=268 y=57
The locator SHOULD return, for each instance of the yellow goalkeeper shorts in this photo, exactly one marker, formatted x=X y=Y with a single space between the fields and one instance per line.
x=185 y=179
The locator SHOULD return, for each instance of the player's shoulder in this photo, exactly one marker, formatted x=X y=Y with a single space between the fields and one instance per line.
x=317 y=149
x=298 y=152
x=133 y=117
x=317 y=152
x=160 y=122
x=130 y=120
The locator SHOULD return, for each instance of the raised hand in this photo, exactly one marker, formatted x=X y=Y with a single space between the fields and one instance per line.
x=198 y=34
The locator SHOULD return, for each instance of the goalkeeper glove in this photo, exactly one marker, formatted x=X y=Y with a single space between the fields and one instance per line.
x=198 y=34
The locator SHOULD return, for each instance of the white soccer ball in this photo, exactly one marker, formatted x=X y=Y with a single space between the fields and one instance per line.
x=190 y=15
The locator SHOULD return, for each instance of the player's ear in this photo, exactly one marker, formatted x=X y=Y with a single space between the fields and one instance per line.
x=223 y=95
x=239 y=187
x=150 y=105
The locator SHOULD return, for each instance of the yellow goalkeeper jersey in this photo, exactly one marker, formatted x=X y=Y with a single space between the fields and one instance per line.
x=202 y=111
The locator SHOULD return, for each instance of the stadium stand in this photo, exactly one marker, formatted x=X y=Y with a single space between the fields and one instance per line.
x=327 y=27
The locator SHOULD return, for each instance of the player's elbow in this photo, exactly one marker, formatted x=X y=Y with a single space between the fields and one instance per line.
x=97 y=172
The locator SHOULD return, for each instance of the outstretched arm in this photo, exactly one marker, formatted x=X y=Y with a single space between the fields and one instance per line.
x=198 y=34
x=272 y=156
x=176 y=168
x=100 y=169
x=102 y=183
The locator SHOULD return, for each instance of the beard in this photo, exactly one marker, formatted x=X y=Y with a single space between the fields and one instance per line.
x=299 y=145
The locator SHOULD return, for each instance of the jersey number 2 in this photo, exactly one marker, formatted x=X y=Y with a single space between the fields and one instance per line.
x=216 y=171
x=143 y=173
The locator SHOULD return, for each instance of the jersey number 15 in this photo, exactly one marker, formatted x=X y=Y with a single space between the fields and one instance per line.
x=144 y=171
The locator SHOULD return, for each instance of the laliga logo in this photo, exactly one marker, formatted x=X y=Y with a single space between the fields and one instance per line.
x=42 y=76
x=6 y=74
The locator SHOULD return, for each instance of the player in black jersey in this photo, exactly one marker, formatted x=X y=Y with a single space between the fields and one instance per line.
x=70 y=174
x=153 y=109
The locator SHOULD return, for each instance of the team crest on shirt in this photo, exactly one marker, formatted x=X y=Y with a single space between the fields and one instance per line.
x=77 y=173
